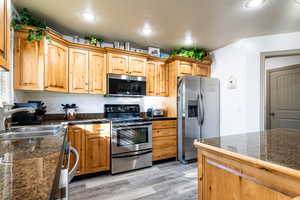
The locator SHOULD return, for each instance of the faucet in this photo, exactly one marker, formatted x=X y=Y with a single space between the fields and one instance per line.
x=6 y=113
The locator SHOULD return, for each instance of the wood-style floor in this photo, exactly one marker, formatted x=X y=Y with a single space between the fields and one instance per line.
x=166 y=181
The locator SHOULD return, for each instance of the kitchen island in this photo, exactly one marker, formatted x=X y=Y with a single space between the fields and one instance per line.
x=30 y=165
x=262 y=165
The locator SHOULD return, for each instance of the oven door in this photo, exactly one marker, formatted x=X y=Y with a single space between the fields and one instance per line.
x=131 y=137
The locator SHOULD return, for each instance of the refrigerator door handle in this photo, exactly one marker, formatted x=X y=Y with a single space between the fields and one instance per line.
x=202 y=109
x=199 y=110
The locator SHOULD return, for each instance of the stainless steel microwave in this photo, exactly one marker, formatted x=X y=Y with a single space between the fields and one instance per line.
x=125 y=85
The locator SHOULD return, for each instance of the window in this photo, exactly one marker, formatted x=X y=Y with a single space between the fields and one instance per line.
x=4 y=86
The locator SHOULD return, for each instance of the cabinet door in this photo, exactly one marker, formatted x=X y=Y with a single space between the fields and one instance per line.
x=56 y=67
x=97 y=73
x=28 y=63
x=164 y=147
x=137 y=66
x=151 y=79
x=97 y=153
x=185 y=68
x=78 y=71
x=4 y=33
x=200 y=70
x=163 y=79
x=76 y=137
x=117 y=63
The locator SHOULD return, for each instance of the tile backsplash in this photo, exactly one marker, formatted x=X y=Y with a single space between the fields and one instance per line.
x=87 y=103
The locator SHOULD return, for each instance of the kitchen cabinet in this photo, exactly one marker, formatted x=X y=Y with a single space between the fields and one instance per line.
x=117 y=63
x=76 y=137
x=185 y=68
x=97 y=151
x=126 y=64
x=163 y=79
x=164 y=142
x=28 y=63
x=201 y=69
x=78 y=71
x=137 y=66
x=5 y=6
x=56 y=67
x=157 y=79
x=92 y=141
x=97 y=73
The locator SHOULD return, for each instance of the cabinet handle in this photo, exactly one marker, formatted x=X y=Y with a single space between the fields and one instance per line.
x=46 y=86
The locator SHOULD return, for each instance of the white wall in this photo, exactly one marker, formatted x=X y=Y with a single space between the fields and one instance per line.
x=87 y=103
x=240 y=107
x=282 y=61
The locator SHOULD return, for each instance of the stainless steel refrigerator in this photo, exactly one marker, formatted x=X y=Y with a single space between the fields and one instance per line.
x=198 y=107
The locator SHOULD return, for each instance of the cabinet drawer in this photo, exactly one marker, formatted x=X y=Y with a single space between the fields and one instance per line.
x=164 y=142
x=164 y=132
x=103 y=129
x=164 y=124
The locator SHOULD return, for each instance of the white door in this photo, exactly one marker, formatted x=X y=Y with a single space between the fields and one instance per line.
x=284 y=96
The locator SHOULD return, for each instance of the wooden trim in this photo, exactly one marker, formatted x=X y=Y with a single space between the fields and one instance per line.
x=250 y=161
x=206 y=60
x=252 y=179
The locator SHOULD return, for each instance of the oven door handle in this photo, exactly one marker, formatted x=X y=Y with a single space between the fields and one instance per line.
x=75 y=167
x=130 y=127
x=132 y=154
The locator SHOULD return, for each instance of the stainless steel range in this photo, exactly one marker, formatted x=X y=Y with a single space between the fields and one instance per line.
x=131 y=139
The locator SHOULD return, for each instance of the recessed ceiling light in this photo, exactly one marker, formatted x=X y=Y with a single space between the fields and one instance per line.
x=297 y=1
x=89 y=17
x=188 y=39
x=147 y=30
x=254 y=3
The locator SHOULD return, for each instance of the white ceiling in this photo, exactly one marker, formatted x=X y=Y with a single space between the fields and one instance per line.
x=211 y=23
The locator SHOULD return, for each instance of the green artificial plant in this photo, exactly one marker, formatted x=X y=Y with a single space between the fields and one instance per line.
x=93 y=40
x=198 y=54
x=27 y=19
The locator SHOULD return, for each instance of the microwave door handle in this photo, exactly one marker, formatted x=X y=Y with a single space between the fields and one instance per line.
x=75 y=167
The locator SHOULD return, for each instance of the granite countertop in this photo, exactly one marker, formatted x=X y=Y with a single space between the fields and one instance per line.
x=29 y=167
x=277 y=146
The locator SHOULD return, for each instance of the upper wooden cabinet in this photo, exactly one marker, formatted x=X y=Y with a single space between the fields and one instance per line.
x=5 y=33
x=163 y=79
x=201 y=70
x=151 y=78
x=157 y=79
x=124 y=64
x=137 y=66
x=56 y=67
x=97 y=73
x=185 y=68
x=117 y=63
x=78 y=71
x=28 y=63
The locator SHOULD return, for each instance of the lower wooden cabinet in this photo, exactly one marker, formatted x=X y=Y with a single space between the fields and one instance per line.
x=164 y=142
x=92 y=142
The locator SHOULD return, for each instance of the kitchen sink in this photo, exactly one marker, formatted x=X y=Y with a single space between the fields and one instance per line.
x=32 y=132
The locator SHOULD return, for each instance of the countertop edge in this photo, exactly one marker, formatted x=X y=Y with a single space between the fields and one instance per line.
x=253 y=161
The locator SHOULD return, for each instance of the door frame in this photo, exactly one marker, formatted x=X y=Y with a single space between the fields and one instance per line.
x=263 y=82
x=268 y=94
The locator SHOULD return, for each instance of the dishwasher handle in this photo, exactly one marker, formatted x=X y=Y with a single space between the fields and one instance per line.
x=75 y=167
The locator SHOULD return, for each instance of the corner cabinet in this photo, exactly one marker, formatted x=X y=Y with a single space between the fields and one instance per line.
x=56 y=67
x=5 y=6
x=157 y=79
x=92 y=141
x=28 y=63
